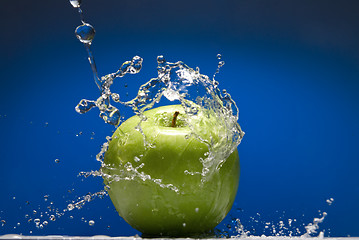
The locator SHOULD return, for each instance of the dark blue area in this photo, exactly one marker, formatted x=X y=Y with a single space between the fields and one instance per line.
x=291 y=66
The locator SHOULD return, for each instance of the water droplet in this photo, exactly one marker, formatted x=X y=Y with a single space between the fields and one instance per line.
x=219 y=56
x=115 y=97
x=52 y=218
x=70 y=207
x=3 y=222
x=36 y=220
x=75 y=3
x=88 y=198
x=161 y=59
x=34 y=212
x=196 y=210
x=84 y=106
x=91 y=222
x=85 y=33
x=45 y=223
x=136 y=64
x=46 y=197
x=330 y=201
x=57 y=160
x=111 y=116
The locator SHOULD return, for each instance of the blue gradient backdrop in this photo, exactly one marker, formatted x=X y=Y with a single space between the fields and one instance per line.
x=291 y=66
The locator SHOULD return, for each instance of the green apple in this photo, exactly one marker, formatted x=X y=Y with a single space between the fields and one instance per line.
x=154 y=175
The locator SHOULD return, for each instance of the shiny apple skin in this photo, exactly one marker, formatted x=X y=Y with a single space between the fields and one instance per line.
x=197 y=207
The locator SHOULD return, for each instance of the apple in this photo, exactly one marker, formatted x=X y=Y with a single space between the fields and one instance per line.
x=154 y=175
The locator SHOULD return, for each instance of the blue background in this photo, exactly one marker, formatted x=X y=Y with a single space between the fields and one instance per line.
x=291 y=66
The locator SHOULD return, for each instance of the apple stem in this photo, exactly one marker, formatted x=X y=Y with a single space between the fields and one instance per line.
x=174 y=119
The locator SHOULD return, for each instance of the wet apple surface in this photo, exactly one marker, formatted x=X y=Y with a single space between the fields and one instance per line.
x=155 y=175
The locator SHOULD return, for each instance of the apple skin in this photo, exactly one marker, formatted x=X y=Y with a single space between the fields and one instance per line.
x=155 y=210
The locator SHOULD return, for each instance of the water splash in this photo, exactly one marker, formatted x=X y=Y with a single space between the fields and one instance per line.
x=81 y=201
x=197 y=93
x=312 y=228
x=200 y=98
x=108 y=112
x=257 y=226
x=205 y=107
